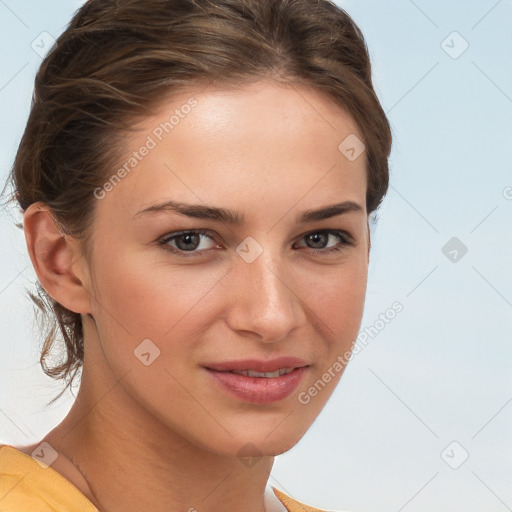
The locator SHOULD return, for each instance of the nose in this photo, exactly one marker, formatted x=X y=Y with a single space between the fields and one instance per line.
x=264 y=302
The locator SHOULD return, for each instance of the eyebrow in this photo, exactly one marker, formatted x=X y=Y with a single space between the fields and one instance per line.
x=198 y=211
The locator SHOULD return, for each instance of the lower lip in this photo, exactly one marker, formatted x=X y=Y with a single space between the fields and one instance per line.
x=259 y=390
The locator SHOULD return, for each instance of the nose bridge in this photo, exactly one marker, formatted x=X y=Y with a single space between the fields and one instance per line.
x=265 y=277
x=264 y=300
x=267 y=273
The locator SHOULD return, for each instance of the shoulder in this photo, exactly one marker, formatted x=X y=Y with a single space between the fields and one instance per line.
x=27 y=484
x=294 y=505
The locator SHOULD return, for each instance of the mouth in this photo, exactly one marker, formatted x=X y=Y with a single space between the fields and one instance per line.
x=259 y=382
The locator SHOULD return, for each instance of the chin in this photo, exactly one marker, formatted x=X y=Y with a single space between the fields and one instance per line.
x=256 y=444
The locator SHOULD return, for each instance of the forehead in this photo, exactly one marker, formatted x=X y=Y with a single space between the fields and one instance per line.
x=265 y=107
x=260 y=142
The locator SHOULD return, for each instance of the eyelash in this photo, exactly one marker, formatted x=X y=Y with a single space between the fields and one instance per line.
x=343 y=237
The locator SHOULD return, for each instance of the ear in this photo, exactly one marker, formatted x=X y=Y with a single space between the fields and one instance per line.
x=57 y=259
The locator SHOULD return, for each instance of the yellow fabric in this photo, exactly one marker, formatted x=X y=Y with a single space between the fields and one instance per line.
x=25 y=486
x=292 y=505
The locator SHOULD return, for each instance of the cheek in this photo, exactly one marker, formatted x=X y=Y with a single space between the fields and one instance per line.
x=337 y=300
x=139 y=300
x=149 y=300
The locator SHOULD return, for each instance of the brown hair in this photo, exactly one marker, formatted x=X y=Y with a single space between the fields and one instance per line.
x=117 y=59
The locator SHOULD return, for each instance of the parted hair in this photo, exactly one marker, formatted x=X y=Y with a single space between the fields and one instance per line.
x=117 y=60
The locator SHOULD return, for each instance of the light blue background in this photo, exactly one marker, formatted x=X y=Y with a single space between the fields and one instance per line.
x=441 y=370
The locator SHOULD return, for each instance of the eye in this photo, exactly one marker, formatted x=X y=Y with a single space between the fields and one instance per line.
x=187 y=242
x=319 y=238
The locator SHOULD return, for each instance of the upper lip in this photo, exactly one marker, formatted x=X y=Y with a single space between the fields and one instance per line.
x=258 y=365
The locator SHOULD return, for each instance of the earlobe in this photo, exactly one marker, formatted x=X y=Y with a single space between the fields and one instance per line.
x=56 y=259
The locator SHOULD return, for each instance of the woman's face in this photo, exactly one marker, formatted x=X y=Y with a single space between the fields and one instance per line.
x=282 y=286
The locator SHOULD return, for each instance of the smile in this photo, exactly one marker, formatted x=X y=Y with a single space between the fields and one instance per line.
x=258 y=388
x=268 y=375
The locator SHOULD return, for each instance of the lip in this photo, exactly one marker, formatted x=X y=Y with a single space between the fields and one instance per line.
x=258 y=390
x=258 y=365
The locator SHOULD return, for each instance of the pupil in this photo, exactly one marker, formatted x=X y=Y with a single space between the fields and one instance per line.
x=187 y=237
x=316 y=236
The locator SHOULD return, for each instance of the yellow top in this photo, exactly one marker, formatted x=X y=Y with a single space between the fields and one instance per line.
x=27 y=486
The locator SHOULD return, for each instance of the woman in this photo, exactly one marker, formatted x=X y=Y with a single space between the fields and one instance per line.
x=196 y=179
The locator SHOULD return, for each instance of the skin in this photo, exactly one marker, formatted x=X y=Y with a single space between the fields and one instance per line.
x=269 y=152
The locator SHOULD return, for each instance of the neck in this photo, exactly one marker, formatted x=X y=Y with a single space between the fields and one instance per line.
x=131 y=462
